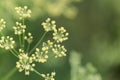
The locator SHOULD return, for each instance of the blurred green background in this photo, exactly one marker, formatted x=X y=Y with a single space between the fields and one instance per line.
x=94 y=27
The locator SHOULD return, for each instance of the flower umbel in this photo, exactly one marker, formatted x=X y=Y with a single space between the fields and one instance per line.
x=19 y=28
x=23 y=12
x=60 y=35
x=47 y=45
x=28 y=55
x=59 y=50
x=29 y=38
x=7 y=42
x=25 y=62
x=2 y=24
x=49 y=25
x=49 y=76
x=40 y=56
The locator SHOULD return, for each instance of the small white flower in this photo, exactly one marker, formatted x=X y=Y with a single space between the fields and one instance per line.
x=7 y=42
x=60 y=35
x=59 y=50
x=23 y=12
x=25 y=62
x=29 y=38
x=49 y=25
x=2 y=24
x=19 y=28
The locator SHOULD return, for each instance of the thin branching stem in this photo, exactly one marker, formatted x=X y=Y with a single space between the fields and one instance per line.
x=13 y=53
x=28 y=47
x=23 y=42
x=20 y=40
x=38 y=42
x=23 y=35
x=38 y=73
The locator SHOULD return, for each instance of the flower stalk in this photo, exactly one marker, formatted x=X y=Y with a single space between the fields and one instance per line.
x=38 y=43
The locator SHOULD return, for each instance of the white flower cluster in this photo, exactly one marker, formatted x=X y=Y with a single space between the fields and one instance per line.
x=49 y=25
x=47 y=45
x=7 y=42
x=60 y=35
x=25 y=62
x=19 y=28
x=59 y=50
x=2 y=24
x=23 y=12
x=49 y=76
x=29 y=38
x=40 y=56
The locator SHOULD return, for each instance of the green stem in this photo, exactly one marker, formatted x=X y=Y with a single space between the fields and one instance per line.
x=7 y=77
x=38 y=73
x=13 y=53
x=38 y=42
x=23 y=40
x=20 y=40
x=28 y=48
